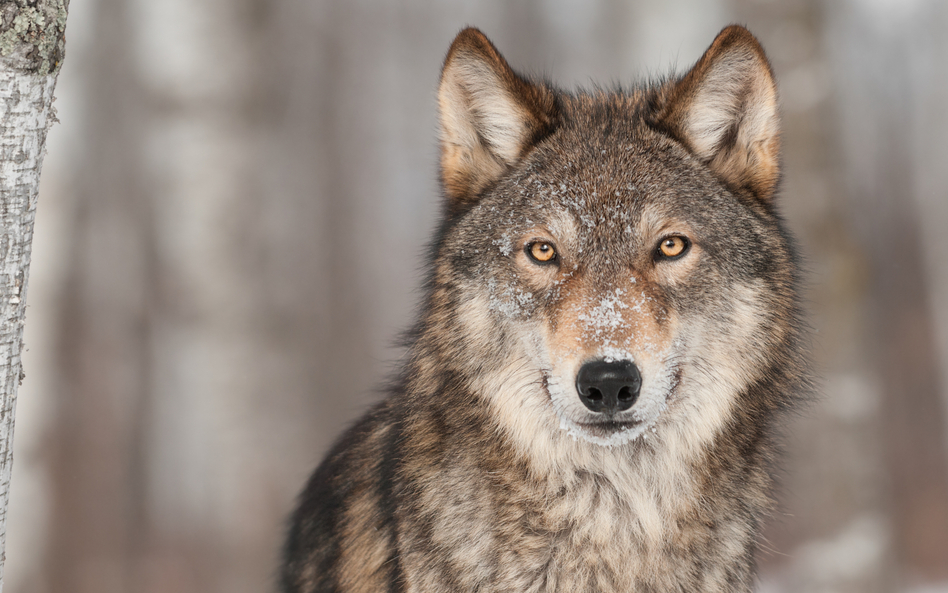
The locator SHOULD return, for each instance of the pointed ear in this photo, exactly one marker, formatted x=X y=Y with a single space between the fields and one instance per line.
x=490 y=116
x=725 y=111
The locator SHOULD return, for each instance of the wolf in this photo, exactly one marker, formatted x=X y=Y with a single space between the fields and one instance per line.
x=610 y=335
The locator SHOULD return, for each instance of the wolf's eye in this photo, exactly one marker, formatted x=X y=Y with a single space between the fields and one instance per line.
x=673 y=247
x=541 y=252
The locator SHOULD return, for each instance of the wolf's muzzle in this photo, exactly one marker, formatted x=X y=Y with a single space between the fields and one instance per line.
x=608 y=387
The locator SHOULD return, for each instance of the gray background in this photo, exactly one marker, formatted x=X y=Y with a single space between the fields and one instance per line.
x=231 y=227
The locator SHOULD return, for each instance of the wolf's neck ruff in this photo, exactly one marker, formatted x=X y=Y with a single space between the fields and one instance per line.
x=609 y=335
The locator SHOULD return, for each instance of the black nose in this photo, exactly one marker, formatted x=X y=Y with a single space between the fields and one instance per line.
x=608 y=387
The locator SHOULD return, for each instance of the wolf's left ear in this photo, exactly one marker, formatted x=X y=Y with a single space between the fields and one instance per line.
x=725 y=111
x=490 y=116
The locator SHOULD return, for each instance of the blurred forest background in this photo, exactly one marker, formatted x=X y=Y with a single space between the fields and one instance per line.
x=209 y=308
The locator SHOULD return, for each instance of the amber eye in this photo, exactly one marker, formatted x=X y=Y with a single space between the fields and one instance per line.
x=673 y=247
x=541 y=252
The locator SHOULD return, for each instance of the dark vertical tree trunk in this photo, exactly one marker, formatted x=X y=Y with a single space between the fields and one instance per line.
x=96 y=472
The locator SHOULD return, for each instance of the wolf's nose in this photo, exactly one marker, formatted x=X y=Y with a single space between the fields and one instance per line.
x=608 y=387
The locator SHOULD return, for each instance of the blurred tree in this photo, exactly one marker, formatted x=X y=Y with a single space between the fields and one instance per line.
x=876 y=51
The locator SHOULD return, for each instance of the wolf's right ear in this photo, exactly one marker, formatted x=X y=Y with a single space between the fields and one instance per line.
x=490 y=116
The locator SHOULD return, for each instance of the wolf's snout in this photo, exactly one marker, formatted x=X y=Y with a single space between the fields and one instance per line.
x=608 y=387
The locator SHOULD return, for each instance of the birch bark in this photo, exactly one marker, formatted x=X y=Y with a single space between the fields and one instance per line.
x=31 y=51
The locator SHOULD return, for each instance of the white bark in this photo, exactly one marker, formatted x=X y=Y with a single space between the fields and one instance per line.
x=31 y=48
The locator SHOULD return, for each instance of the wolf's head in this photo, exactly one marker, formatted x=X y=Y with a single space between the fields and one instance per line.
x=612 y=264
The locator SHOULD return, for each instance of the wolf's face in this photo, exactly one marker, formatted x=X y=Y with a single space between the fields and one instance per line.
x=612 y=270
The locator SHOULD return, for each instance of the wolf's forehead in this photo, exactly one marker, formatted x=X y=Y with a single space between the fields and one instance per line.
x=616 y=161
x=591 y=193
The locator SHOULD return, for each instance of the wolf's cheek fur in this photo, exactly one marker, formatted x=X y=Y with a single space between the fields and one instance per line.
x=721 y=356
x=514 y=382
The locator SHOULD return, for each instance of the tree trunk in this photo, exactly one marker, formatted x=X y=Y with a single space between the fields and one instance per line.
x=31 y=51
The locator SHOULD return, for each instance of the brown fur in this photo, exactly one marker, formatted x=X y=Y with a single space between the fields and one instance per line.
x=482 y=471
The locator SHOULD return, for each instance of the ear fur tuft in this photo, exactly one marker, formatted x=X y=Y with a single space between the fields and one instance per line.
x=724 y=110
x=490 y=116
